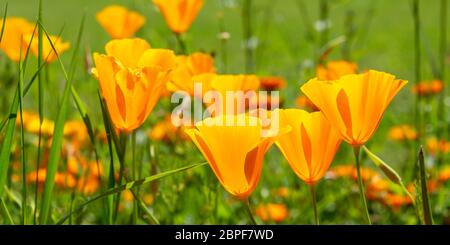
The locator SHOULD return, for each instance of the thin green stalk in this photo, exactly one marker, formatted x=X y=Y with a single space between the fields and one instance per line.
x=307 y=23
x=181 y=43
x=323 y=15
x=312 y=189
x=356 y=151
x=41 y=91
x=22 y=145
x=3 y=22
x=133 y=170
x=56 y=146
x=111 y=180
x=223 y=40
x=248 y=32
x=428 y=217
x=443 y=51
x=246 y=203
x=6 y=214
x=417 y=67
x=150 y=217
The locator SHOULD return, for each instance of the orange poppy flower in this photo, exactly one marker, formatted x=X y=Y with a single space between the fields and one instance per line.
x=14 y=40
x=272 y=211
x=48 y=54
x=120 y=22
x=335 y=70
x=402 y=133
x=223 y=84
x=238 y=165
x=427 y=88
x=304 y=103
x=132 y=77
x=444 y=175
x=354 y=104
x=179 y=14
x=189 y=70
x=311 y=144
x=31 y=123
x=272 y=83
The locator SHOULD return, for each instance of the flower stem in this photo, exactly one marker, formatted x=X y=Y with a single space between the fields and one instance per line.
x=249 y=211
x=356 y=150
x=133 y=172
x=312 y=189
x=181 y=43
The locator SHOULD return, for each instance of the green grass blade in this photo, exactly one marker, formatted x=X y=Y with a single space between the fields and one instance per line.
x=428 y=217
x=151 y=218
x=5 y=213
x=22 y=144
x=5 y=153
x=55 y=149
x=41 y=92
x=129 y=186
x=111 y=180
x=3 y=23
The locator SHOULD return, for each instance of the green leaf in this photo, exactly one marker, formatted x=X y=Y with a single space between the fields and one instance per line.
x=128 y=186
x=427 y=215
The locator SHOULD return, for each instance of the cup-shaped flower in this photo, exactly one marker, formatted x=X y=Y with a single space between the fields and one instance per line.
x=132 y=77
x=186 y=73
x=234 y=146
x=120 y=22
x=354 y=104
x=13 y=40
x=311 y=144
x=179 y=14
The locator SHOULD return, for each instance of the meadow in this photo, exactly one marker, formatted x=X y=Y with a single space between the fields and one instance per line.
x=65 y=159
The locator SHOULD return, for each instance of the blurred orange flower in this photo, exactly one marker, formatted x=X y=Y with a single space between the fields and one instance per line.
x=311 y=144
x=163 y=131
x=272 y=83
x=179 y=14
x=14 y=37
x=435 y=146
x=354 y=104
x=31 y=123
x=272 y=211
x=120 y=22
x=402 y=133
x=335 y=70
x=48 y=54
x=444 y=175
x=237 y=166
x=427 y=88
x=188 y=71
x=132 y=77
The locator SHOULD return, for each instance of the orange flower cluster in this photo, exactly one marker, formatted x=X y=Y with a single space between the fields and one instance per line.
x=272 y=212
x=80 y=174
x=402 y=133
x=17 y=35
x=428 y=88
x=166 y=131
x=436 y=146
x=381 y=190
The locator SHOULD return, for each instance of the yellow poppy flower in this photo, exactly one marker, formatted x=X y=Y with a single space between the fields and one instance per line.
x=120 y=22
